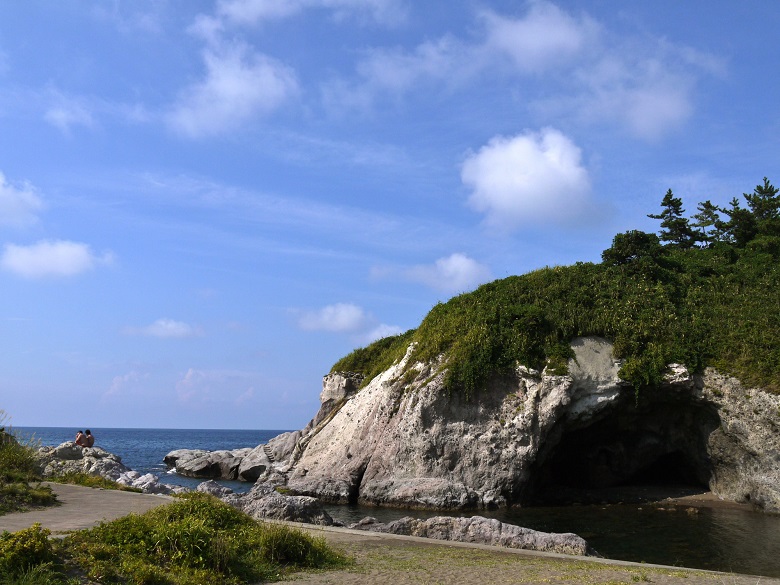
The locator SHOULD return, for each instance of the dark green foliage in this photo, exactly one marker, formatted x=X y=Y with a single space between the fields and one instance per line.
x=764 y=202
x=195 y=540
x=711 y=228
x=718 y=305
x=675 y=228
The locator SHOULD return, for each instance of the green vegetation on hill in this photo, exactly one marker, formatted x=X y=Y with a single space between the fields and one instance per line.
x=708 y=296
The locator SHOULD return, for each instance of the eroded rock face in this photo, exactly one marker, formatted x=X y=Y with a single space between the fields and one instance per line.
x=481 y=530
x=410 y=443
x=745 y=448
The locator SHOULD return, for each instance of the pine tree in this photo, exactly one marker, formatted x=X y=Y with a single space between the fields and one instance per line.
x=675 y=227
x=710 y=226
x=742 y=225
x=764 y=203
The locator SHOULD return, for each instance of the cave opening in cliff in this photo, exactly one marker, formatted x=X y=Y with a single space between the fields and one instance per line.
x=631 y=454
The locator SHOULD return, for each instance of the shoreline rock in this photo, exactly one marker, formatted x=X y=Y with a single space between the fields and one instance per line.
x=71 y=458
x=199 y=463
x=481 y=530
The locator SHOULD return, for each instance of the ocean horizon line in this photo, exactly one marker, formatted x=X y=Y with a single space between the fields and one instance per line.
x=23 y=427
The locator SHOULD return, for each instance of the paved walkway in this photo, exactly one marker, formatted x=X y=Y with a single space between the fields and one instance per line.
x=82 y=507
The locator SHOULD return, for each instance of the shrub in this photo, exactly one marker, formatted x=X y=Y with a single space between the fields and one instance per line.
x=25 y=549
x=18 y=468
x=195 y=540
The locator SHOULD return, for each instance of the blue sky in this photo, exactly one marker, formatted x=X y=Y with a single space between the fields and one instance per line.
x=203 y=205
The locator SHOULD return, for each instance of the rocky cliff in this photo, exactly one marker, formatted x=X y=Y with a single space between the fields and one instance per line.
x=404 y=440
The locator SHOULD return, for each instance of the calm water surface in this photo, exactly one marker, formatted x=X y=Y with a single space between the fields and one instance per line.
x=705 y=538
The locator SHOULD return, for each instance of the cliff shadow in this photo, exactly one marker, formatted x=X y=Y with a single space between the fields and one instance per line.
x=648 y=449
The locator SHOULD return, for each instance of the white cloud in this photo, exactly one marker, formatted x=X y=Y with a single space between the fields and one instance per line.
x=167 y=328
x=546 y=37
x=207 y=387
x=340 y=317
x=239 y=86
x=251 y=12
x=381 y=331
x=130 y=18
x=65 y=117
x=394 y=72
x=455 y=273
x=527 y=179
x=68 y=112
x=120 y=384
x=193 y=385
x=346 y=318
x=51 y=258
x=245 y=397
x=18 y=205
x=592 y=74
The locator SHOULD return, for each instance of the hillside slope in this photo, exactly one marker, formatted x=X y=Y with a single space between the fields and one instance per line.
x=660 y=364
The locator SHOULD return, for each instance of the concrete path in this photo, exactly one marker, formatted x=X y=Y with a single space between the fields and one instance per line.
x=82 y=507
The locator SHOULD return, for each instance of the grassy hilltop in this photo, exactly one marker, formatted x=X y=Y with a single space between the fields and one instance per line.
x=703 y=292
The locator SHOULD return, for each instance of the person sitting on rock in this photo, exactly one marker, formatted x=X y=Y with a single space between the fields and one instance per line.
x=89 y=437
x=81 y=439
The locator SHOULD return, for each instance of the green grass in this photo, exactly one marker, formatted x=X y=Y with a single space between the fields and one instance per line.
x=20 y=486
x=93 y=481
x=701 y=307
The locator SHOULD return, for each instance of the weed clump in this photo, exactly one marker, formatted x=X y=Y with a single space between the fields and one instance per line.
x=19 y=479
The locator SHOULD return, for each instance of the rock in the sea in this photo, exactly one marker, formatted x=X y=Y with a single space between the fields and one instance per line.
x=172 y=458
x=71 y=458
x=207 y=464
x=480 y=530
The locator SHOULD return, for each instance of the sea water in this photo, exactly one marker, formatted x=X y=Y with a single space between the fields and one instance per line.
x=143 y=449
x=722 y=539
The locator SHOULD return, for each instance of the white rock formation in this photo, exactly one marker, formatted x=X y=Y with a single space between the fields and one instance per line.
x=411 y=443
